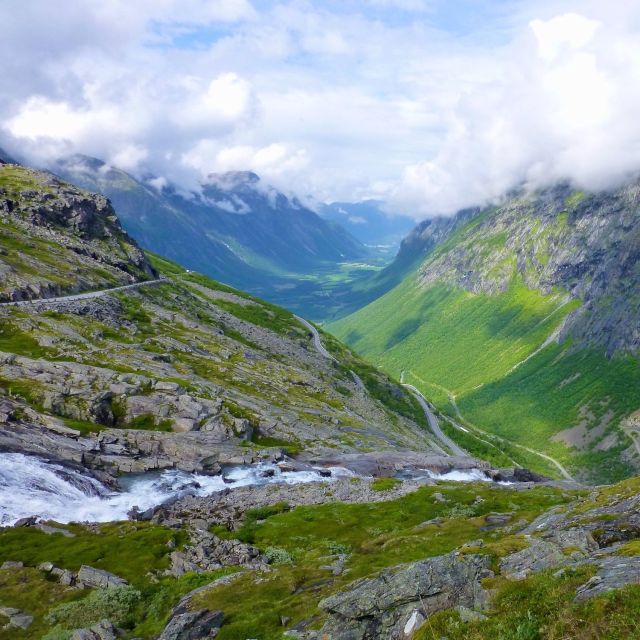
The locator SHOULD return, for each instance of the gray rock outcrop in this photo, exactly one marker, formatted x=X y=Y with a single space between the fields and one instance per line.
x=207 y=552
x=104 y=630
x=394 y=604
x=193 y=625
x=98 y=578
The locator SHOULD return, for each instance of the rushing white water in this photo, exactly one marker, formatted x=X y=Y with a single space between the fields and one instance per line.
x=31 y=486
x=459 y=475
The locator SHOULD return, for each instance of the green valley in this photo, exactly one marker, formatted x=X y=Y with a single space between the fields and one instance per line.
x=511 y=326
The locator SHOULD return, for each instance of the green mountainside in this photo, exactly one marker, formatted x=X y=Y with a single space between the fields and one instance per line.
x=523 y=321
x=236 y=356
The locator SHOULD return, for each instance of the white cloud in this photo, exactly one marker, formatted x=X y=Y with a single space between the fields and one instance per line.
x=562 y=110
x=335 y=100
x=569 y=30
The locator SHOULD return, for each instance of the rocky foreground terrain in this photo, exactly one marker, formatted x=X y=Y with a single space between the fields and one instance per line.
x=186 y=375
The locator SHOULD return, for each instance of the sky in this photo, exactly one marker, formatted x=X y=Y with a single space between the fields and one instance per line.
x=430 y=105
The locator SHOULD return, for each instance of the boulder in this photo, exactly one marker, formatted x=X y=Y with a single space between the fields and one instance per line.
x=392 y=605
x=554 y=549
x=98 y=578
x=104 y=630
x=21 y=621
x=539 y=555
x=18 y=619
x=193 y=625
x=613 y=573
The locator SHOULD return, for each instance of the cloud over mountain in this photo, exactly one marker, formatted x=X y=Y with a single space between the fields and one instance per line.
x=338 y=100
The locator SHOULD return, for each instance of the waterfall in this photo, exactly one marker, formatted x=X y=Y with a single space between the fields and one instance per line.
x=32 y=486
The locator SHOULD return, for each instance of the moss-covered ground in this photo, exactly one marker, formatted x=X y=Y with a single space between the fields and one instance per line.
x=300 y=541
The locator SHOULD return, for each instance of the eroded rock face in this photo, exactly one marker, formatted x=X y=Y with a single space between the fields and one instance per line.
x=83 y=225
x=584 y=243
x=98 y=578
x=122 y=450
x=400 y=598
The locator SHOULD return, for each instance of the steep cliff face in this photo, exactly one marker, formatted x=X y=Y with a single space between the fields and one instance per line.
x=57 y=238
x=526 y=315
x=587 y=245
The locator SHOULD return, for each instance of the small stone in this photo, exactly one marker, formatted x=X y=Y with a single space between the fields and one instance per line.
x=26 y=522
x=469 y=615
x=21 y=621
x=11 y=564
x=415 y=621
x=46 y=566
x=66 y=577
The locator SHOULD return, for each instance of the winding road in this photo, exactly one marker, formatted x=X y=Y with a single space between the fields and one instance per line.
x=317 y=342
x=431 y=418
x=452 y=399
x=434 y=424
x=83 y=296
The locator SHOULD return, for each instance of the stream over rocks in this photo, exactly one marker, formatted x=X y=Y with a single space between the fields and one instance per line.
x=32 y=486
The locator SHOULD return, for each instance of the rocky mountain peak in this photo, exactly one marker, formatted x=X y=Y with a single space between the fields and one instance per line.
x=230 y=180
x=90 y=246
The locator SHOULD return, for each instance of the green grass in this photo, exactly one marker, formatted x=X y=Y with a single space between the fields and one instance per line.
x=536 y=401
x=15 y=178
x=375 y=535
x=476 y=348
x=542 y=607
x=289 y=447
x=379 y=385
x=258 y=312
x=163 y=265
x=28 y=589
x=127 y=549
x=130 y=550
x=385 y=484
x=450 y=337
x=15 y=340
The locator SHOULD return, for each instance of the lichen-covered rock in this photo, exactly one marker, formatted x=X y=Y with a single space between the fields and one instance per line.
x=104 y=630
x=193 y=625
x=613 y=573
x=98 y=578
x=381 y=608
x=207 y=552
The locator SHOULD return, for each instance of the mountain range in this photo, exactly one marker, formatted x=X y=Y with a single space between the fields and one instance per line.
x=369 y=222
x=236 y=229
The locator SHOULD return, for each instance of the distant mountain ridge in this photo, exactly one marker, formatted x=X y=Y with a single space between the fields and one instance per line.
x=237 y=229
x=369 y=222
